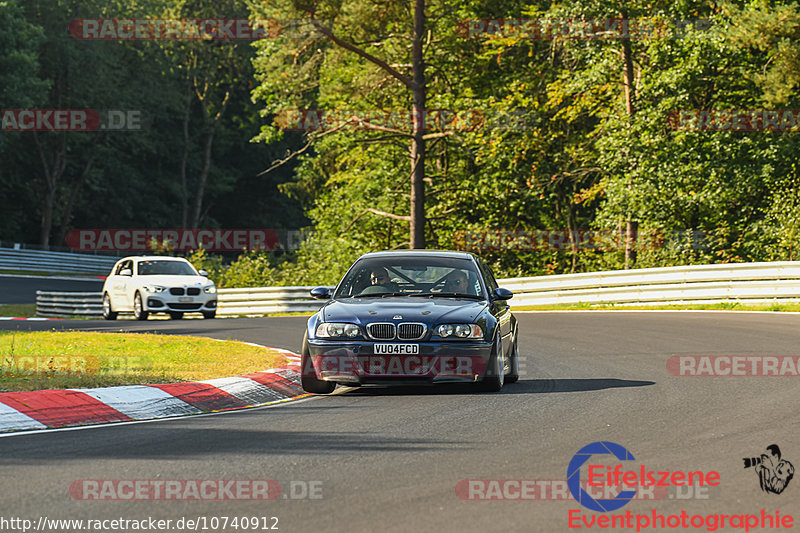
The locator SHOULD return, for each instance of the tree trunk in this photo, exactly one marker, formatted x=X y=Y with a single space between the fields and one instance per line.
x=185 y=160
x=52 y=176
x=203 y=178
x=631 y=226
x=47 y=218
x=417 y=225
x=75 y=188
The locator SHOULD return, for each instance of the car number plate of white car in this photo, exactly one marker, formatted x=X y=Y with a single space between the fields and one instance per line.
x=185 y=299
x=396 y=349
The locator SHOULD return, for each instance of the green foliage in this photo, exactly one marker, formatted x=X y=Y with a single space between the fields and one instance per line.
x=556 y=147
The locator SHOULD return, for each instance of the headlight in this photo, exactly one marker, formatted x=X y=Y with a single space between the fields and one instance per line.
x=461 y=331
x=154 y=288
x=337 y=329
x=210 y=289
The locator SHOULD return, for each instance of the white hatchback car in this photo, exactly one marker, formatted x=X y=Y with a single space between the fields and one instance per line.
x=158 y=284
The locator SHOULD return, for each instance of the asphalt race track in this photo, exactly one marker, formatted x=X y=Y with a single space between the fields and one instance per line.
x=390 y=460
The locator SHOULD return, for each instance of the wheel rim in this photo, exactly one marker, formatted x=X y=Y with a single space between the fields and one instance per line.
x=137 y=304
x=106 y=305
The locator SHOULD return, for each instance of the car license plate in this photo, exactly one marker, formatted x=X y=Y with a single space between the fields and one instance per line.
x=396 y=349
x=185 y=299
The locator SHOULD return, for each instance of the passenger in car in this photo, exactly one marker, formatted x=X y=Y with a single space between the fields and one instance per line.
x=457 y=283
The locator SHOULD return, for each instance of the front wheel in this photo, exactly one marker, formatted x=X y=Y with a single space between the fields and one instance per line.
x=495 y=374
x=513 y=362
x=138 y=308
x=175 y=315
x=308 y=376
x=209 y=314
x=108 y=313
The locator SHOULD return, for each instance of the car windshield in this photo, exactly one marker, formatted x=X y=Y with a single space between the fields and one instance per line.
x=411 y=276
x=168 y=268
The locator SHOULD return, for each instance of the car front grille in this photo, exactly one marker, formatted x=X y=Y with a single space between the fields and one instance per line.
x=409 y=331
x=193 y=291
x=381 y=330
x=176 y=291
x=184 y=307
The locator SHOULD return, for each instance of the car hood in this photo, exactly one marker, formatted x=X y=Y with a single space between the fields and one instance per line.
x=174 y=281
x=426 y=310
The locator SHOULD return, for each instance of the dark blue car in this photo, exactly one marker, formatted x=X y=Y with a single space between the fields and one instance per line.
x=410 y=317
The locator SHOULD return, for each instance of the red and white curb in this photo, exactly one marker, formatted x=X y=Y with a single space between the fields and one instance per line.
x=30 y=410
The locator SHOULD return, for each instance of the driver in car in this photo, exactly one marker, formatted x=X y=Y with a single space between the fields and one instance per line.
x=379 y=276
x=380 y=282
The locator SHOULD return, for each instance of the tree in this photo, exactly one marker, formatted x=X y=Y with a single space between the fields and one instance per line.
x=415 y=83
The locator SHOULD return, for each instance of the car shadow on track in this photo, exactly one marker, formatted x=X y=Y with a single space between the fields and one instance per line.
x=544 y=386
x=191 y=440
x=528 y=386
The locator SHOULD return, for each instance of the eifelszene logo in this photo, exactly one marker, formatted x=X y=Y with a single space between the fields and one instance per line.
x=630 y=480
x=774 y=473
x=574 y=476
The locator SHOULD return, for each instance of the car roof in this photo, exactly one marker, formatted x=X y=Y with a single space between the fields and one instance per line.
x=153 y=258
x=420 y=253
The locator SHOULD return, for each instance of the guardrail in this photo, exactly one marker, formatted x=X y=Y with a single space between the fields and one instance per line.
x=68 y=304
x=232 y=302
x=44 y=261
x=262 y=300
x=742 y=282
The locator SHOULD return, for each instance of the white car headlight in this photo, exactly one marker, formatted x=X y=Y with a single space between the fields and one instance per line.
x=461 y=331
x=337 y=329
x=154 y=288
x=210 y=289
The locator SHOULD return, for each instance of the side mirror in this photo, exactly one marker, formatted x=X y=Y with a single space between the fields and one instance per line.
x=203 y=273
x=126 y=272
x=321 y=293
x=502 y=294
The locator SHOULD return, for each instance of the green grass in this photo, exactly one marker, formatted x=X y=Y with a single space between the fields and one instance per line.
x=58 y=360
x=724 y=306
x=20 y=310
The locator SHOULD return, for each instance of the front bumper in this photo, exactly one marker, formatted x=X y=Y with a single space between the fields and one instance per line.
x=160 y=302
x=436 y=362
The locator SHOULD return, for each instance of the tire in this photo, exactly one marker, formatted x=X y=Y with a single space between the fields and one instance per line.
x=176 y=315
x=138 y=307
x=308 y=376
x=513 y=363
x=209 y=314
x=494 y=378
x=108 y=313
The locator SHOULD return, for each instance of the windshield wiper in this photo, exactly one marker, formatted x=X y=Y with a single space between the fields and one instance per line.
x=449 y=295
x=380 y=294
